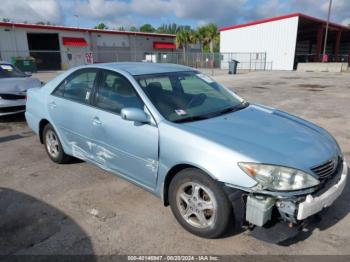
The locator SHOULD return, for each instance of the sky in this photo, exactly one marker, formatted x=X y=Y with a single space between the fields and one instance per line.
x=126 y=13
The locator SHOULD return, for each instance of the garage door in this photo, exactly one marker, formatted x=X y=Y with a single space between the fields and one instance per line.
x=45 y=48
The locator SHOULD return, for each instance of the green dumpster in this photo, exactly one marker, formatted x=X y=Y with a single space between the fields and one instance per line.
x=25 y=64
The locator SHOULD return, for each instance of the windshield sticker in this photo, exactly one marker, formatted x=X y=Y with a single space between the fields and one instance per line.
x=205 y=78
x=180 y=112
x=87 y=96
x=6 y=67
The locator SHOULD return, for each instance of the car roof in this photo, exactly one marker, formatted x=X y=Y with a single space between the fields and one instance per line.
x=144 y=68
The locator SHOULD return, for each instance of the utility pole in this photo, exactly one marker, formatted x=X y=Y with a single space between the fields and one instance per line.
x=326 y=34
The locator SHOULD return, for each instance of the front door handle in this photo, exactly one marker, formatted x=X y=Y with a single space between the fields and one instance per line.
x=52 y=104
x=96 y=121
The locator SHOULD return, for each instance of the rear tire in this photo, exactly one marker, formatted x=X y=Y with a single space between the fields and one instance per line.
x=53 y=146
x=200 y=204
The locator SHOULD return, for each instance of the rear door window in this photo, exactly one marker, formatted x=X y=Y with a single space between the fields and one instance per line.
x=78 y=87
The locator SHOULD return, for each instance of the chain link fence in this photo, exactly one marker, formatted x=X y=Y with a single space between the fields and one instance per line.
x=211 y=63
x=305 y=58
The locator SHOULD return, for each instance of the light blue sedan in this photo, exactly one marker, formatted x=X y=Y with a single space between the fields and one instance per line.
x=219 y=161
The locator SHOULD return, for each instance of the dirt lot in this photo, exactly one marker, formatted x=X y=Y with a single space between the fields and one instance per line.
x=79 y=209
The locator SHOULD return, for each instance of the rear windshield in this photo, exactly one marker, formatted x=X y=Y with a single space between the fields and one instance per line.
x=7 y=71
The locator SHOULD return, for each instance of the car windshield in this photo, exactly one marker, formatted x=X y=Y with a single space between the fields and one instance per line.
x=7 y=70
x=188 y=96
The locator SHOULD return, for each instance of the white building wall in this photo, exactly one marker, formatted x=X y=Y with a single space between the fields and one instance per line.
x=13 y=43
x=276 y=38
x=72 y=56
x=104 y=46
x=109 y=40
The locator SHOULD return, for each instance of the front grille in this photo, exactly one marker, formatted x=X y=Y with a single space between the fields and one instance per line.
x=327 y=169
x=12 y=109
x=12 y=96
x=331 y=180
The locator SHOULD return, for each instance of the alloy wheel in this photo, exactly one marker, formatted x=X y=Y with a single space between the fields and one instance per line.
x=52 y=144
x=197 y=204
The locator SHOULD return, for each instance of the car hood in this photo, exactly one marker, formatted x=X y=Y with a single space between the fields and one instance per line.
x=15 y=85
x=265 y=135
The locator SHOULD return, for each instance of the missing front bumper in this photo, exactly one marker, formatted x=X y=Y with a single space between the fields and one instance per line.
x=313 y=205
x=292 y=210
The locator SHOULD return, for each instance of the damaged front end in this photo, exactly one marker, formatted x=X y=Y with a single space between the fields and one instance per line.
x=276 y=216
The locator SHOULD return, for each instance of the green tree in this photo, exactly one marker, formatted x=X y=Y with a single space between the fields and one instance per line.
x=212 y=36
x=147 y=28
x=121 y=28
x=217 y=44
x=6 y=20
x=202 y=36
x=101 y=26
x=172 y=28
x=182 y=40
x=133 y=29
x=163 y=29
x=193 y=37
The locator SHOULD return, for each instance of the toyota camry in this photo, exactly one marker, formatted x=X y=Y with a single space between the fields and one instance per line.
x=219 y=161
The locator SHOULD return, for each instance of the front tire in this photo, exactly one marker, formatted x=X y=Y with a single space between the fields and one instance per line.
x=53 y=146
x=199 y=204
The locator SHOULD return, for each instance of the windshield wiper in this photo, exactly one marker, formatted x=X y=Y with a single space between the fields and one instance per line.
x=240 y=106
x=191 y=118
x=230 y=109
x=235 y=108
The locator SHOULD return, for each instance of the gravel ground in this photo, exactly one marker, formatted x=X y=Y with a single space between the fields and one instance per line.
x=80 y=209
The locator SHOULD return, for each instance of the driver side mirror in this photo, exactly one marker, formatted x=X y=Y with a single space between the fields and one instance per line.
x=135 y=114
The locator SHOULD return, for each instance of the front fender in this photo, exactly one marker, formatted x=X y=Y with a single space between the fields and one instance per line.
x=180 y=147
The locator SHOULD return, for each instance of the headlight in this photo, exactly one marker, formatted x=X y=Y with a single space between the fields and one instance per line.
x=278 y=177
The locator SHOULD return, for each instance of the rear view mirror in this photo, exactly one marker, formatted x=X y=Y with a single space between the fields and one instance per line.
x=135 y=114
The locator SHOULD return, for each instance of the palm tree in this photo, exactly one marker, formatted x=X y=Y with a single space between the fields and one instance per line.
x=212 y=35
x=201 y=34
x=193 y=37
x=182 y=39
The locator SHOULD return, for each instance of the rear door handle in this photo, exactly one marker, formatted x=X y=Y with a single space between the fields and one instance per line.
x=96 y=121
x=52 y=104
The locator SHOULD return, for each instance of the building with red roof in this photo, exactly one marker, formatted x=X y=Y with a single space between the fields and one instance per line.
x=61 y=47
x=288 y=40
